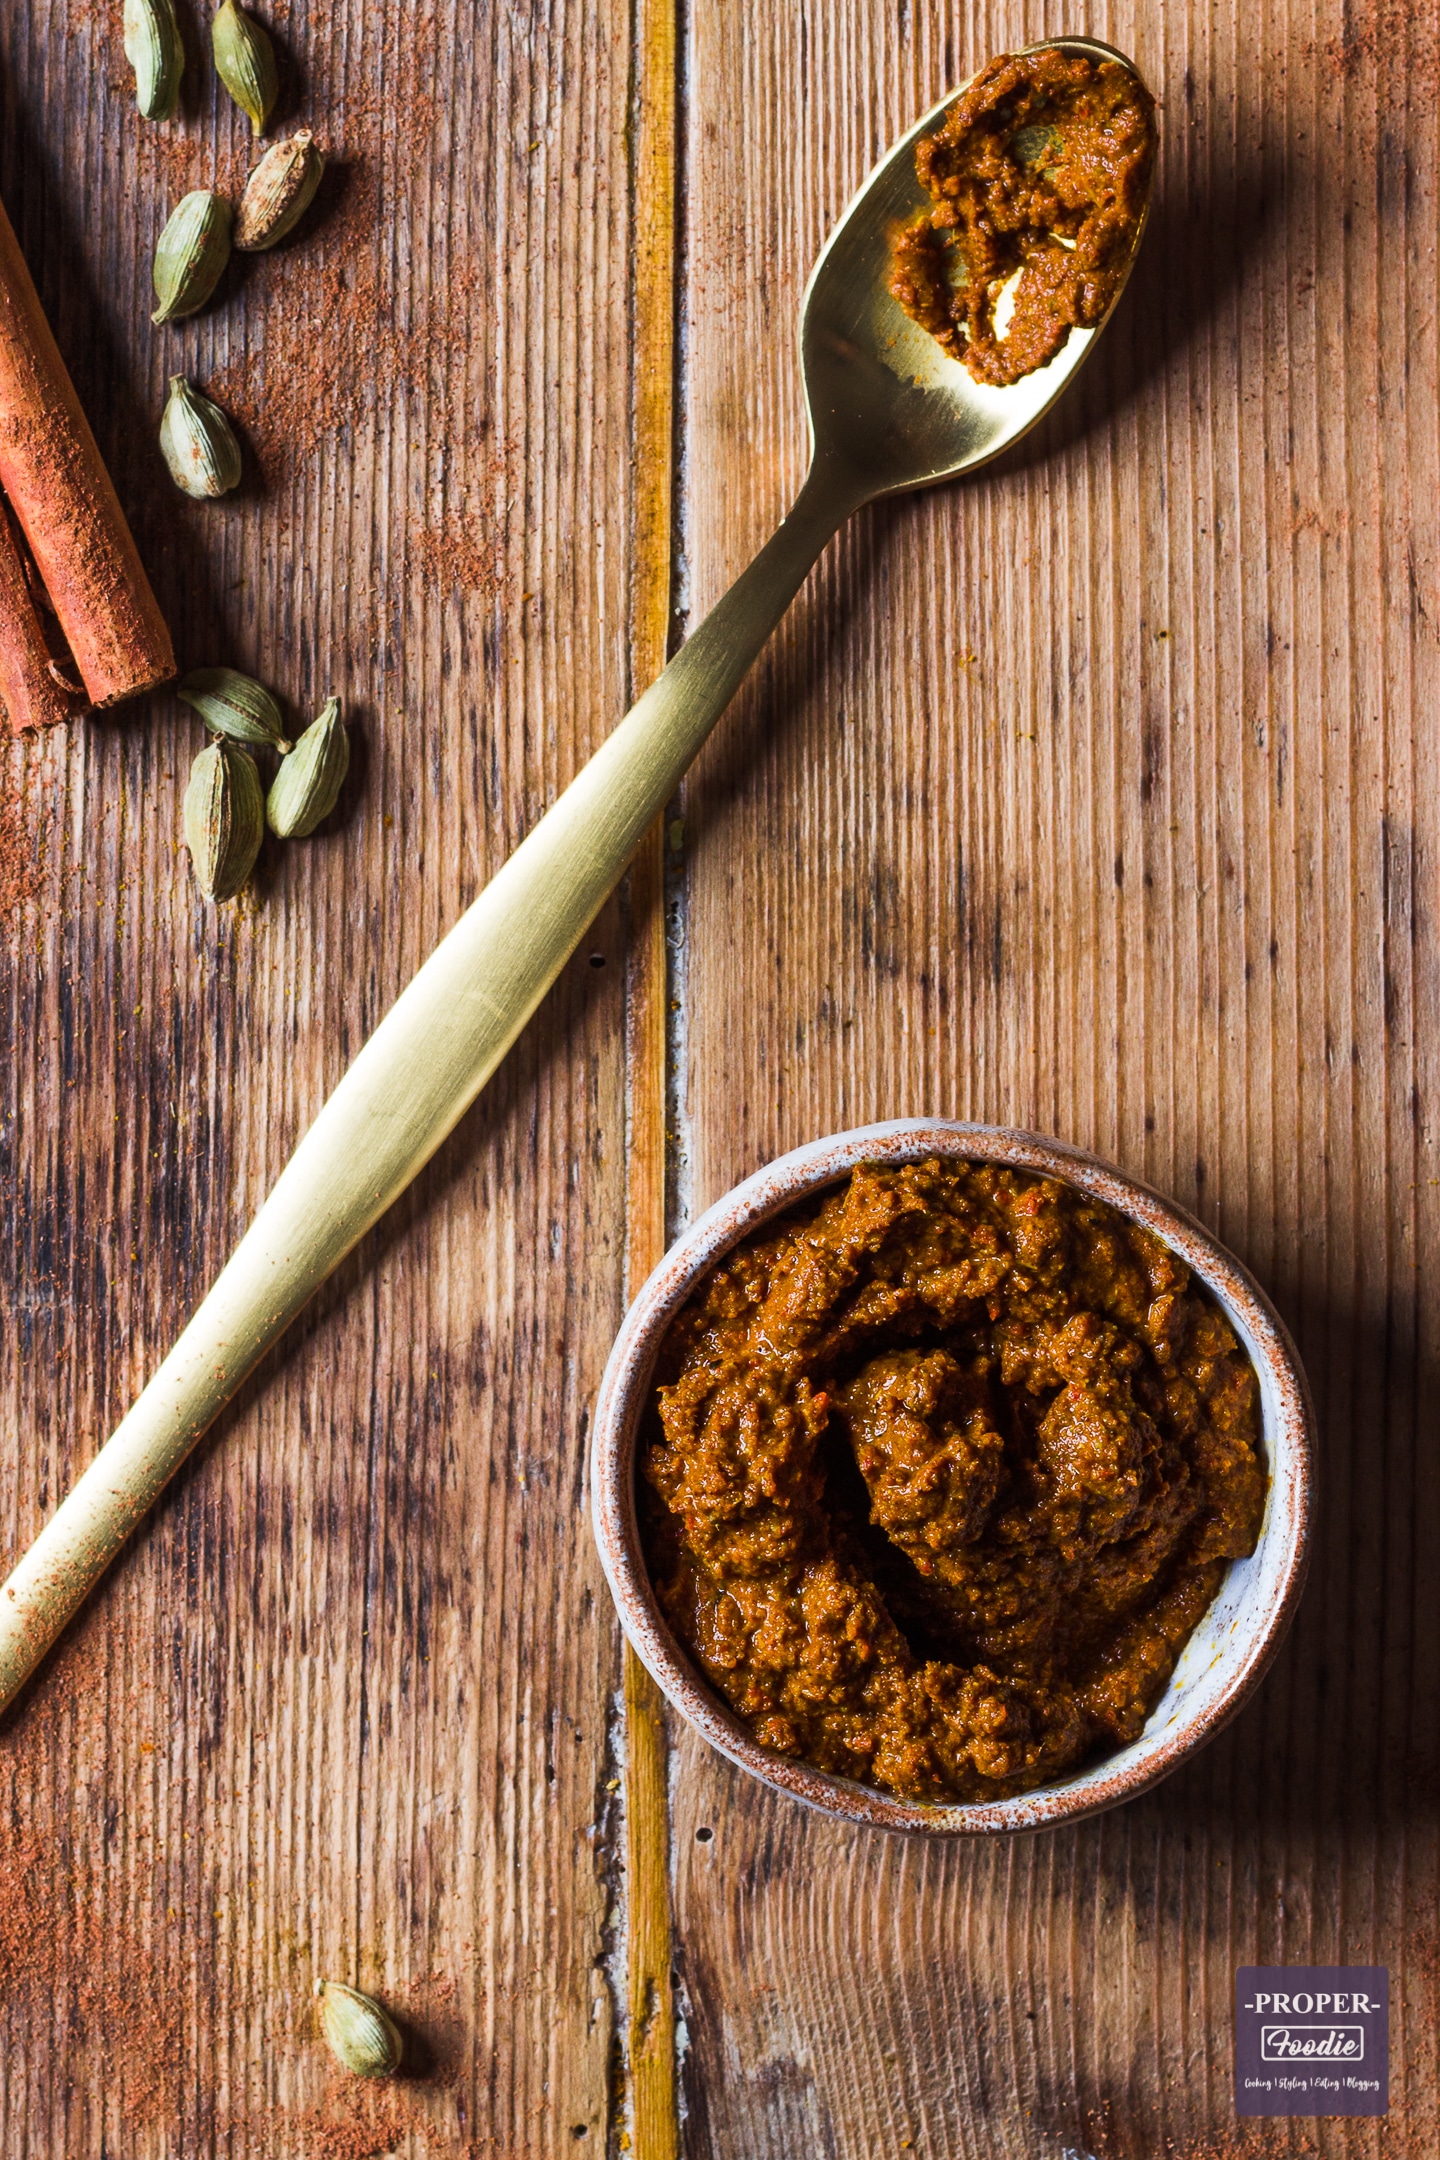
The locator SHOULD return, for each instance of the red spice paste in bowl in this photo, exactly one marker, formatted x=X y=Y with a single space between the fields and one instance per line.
x=945 y=1471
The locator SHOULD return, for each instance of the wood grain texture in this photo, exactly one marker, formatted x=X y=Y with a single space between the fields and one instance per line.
x=650 y=2116
x=1099 y=796
x=345 y=1706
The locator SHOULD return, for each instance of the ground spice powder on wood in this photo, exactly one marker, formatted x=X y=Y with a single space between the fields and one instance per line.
x=22 y=863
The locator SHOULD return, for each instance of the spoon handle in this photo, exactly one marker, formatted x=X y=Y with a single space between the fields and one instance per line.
x=413 y=1080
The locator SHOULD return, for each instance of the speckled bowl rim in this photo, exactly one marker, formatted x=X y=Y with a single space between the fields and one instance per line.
x=1254 y=1605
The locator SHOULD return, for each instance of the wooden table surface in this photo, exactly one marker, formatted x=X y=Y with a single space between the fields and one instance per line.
x=1099 y=796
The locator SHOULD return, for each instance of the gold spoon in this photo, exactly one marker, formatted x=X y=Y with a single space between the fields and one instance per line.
x=888 y=411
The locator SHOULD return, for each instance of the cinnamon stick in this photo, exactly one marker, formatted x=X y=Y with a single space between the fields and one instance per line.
x=31 y=694
x=52 y=471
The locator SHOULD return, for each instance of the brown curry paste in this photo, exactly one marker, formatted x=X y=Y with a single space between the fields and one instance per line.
x=1041 y=166
x=946 y=1471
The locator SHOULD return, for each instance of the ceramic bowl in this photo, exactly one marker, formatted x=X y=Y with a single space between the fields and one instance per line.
x=1227 y=1654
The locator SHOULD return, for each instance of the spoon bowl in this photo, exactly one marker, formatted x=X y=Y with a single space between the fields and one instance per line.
x=886 y=402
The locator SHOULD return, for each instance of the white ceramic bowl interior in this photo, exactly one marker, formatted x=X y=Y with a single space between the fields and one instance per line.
x=1225 y=1657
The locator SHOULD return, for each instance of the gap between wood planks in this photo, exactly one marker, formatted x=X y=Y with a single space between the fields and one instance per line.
x=650 y=2057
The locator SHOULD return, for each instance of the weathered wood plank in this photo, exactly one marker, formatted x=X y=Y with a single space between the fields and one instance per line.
x=1100 y=796
x=650 y=2118
x=345 y=1705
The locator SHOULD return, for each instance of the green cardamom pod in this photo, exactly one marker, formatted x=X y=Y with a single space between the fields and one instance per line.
x=190 y=254
x=245 y=63
x=360 y=2036
x=309 y=781
x=154 y=49
x=235 y=705
x=198 y=442
x=279 y=192
x=224 y=819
